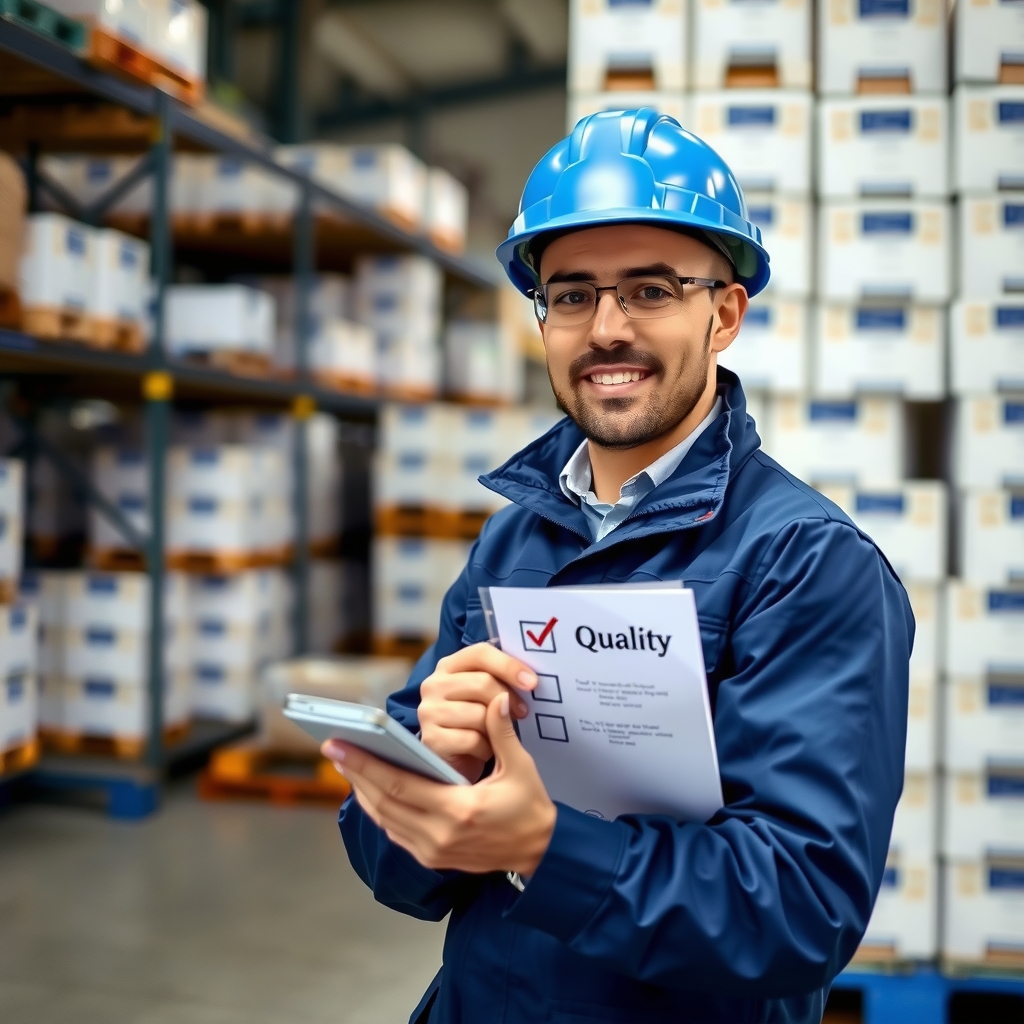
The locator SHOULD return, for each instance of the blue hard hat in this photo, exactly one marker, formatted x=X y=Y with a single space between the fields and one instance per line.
x=639 y=166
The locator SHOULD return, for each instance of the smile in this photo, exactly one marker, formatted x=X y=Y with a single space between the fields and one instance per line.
x=618 y=377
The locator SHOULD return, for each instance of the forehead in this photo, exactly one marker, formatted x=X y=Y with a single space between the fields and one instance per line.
x=617 y=247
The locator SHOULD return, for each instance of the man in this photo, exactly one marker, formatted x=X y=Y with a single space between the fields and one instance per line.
x=633 y=238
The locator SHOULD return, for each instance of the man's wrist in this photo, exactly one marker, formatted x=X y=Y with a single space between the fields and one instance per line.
x=536 y=845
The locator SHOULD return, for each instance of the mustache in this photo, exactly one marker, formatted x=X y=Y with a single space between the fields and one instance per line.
x=581 y=365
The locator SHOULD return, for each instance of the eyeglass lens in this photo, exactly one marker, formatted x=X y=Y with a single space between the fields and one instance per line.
x=566 y=303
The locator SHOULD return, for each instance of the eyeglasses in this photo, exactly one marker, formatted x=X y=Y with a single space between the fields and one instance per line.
x=571 y=303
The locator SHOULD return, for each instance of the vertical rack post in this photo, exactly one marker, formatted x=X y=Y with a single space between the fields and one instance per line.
x=157 y=390
x=303 y=407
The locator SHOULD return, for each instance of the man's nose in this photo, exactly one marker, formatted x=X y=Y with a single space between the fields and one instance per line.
x=610 y=323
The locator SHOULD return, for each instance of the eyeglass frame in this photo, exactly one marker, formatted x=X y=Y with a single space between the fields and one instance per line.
x=702 y=282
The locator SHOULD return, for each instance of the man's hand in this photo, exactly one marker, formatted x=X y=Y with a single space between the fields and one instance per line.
x=503 y=823
x=454 y=701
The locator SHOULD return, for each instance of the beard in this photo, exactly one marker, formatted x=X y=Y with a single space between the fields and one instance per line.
x=652 y=418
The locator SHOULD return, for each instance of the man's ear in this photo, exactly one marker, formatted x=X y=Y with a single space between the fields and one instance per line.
x=731 y=305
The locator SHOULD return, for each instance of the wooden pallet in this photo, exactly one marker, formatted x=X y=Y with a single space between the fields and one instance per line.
x=406 y=521
x=109 y=52
x=251 y=771
x=188 y=226
x=10 y=309
x=20 y=758
x=8 y=591
x=127 y=748
x=119 y=335
x=115 y=559
x=344 y=382
x=51 y=323
x=244 y=364
x=410 y=647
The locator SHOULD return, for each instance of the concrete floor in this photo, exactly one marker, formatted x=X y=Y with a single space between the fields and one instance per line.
x=207 y=913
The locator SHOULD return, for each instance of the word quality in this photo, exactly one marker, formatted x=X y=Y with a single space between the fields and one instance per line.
x=593 y=639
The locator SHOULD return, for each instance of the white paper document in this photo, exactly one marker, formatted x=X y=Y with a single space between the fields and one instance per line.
x=620 y=722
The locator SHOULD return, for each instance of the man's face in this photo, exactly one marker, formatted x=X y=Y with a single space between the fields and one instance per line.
x=628 y=381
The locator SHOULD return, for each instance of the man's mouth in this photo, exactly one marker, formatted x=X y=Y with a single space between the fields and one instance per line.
x=616 y=376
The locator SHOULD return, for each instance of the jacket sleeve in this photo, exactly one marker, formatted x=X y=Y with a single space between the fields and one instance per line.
x=772 y=896
x=397 y=879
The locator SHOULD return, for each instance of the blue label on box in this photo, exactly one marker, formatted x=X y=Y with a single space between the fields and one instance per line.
x=1013 y=412
x=884 y=8
x=15 y=689
x=100 y=636
x=413 y=414
x=410 y=592
x=823 y=412
x=888 y=319
x=230 y=166
x=1010 y=111
x=76 y=241
x=412 y=460
x=751 y=117
x=128 y=256
x=630 y=3
x=1003 y=876
x=887 y=223
x=759 y=316
x=1017 y=506
x=477 y=464
x=1010 y=784
x=18 y=618
x=890 y=504
x=364 y=159
x=872 y=121
x=1006 y=600
x=212 y=627
x=762 y=216
x=1013 y=215
x=203 y=505
x=209 y=673
x=1010 y=318
x=99 y=584
x=205 y=456
x=129 y=457
x=890 y=877
x=99 y=688
x=131 y=503
x=479 y=419
x=1003 y=692
x=97 y=171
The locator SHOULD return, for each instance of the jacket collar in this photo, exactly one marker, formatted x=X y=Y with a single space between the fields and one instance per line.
x=692 y=494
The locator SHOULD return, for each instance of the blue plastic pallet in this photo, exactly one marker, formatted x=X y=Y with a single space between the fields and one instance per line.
x=920 y=996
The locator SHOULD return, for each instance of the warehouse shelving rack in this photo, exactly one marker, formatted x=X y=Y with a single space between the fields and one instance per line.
x=39 y=72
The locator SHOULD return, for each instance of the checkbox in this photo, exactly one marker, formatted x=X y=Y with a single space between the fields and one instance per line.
x=552 y=727
x=548 y=689
x=538 y=636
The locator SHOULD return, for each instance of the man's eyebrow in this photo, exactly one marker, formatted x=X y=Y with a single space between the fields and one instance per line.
x=652 y=269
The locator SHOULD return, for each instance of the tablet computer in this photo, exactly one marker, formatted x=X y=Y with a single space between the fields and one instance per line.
x=372 y=730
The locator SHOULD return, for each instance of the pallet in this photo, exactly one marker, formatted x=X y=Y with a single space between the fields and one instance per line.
x=20 y=758
x=234 y=222
x=48 y=323
x=411 y=521
x=222 y=563
x=410 y=394
x=10 y=309
x=917 y=993
x=109 y=52
x=251 y=771
x=449 y=241
x=127 y=748
x=46 y=21
x=899 y=85
x=410 y=647
x=243 y=364
x=119 y=335
x=8 y=591
x=344 y=382
x=115 y=559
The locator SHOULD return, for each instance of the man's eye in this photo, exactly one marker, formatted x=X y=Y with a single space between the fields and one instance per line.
x=571 y=298
x=652 y=293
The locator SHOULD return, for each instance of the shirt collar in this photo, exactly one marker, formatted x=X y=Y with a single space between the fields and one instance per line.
x=576 y=478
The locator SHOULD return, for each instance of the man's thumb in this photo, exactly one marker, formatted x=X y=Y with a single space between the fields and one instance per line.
x=502 y=734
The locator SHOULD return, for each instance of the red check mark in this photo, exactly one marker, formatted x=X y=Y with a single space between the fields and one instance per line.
x=539 y=640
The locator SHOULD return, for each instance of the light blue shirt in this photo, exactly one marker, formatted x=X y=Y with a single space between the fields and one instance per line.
x=576 y=481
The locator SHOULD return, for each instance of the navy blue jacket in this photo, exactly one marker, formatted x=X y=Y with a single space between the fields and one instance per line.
x=807 y=635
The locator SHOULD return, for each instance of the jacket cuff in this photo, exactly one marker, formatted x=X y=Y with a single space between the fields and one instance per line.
x=574 y=875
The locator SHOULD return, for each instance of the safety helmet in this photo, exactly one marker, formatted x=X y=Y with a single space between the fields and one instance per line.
x=621 y=166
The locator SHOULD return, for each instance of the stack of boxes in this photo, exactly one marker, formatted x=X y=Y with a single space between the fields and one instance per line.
x=18 y=629
x=982 y=840
x=429 y=505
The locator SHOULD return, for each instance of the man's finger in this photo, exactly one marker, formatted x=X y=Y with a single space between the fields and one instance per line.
x=394 y=783
x=487 y=658
x=504 y=741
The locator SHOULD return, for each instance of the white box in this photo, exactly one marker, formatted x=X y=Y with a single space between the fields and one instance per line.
x=106 y=652
x=884 y=249
x=419 y=561
x=984 y=720
x=228 y=184
x=991 y=246
x=859 y=442
x=12 y=531
x=447 y=210
x=787 y=232
x=129 y=19
x=984 y=631
x=180 y=36
x=202 y=523
x=989 y=135
x=108 y=707
x=883 y=146
x=988 y=442
x=896 y=349
x=56 y=269
x=217 y=640
x=407 y=479
x=763 y=135
x=19 y=710
x=242 y=598
x=989 y=34
x=204 y=317
x=120 y=276
x=483 y=360
x=222 y=693
x=926 y=604
x=904 y=922
x=915 y=826
x=12 y=488
x=922 y=720
x=88 y=177
x=579 y=105
x=608 y=39
x=405 y=366
x=770 y=352
x=908 y=522
x=409 y=610
x=983 y=811
x=19 y=639
x=983 y=910
x=232 y=472
x=122 y=476
x=992 y=537
x=345 y=349
x=986 y=346
x=415 y=429
x=116 y=600
x=862 y=43
x=737 y=36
